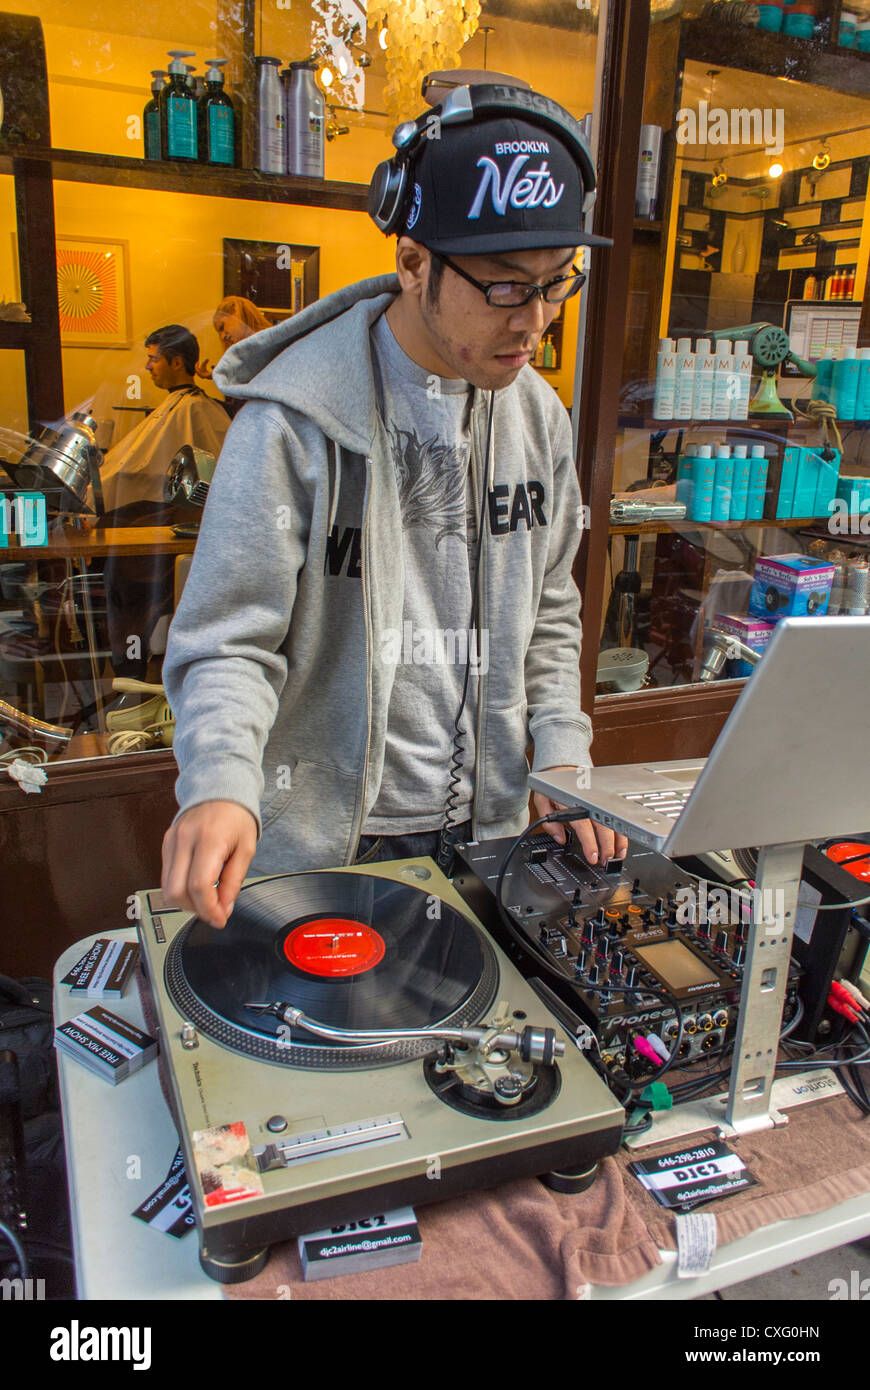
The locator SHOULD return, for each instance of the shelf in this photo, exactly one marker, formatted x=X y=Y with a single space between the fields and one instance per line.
x=646 y=422
x=15 y=335
x=651 y=528
x=777 y=55
x=77 y=166
x=642 y=227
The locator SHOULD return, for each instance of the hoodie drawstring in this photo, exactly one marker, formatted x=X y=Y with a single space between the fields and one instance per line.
x=334 y=451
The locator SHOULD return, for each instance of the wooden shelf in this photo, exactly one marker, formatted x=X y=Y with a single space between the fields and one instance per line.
x=651 y=528
x=647 y=422
x=14 y=335
x=777 y=55
x=78 y=166
x=642 y=227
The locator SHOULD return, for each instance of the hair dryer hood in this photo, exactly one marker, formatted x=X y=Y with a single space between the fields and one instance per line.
x=768 y=344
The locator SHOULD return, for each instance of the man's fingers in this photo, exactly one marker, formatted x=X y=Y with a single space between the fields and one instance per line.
x=232 y=877
x=173 y=883
x=206 y=868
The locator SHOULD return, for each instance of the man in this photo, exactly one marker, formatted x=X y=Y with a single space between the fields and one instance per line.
x=134 y=471
x=140 y=589
x=306 y=664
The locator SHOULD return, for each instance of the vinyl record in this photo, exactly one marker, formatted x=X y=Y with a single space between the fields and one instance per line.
x=351 y=950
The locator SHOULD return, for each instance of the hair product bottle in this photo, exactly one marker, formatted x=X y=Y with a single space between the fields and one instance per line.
x=178 y=137
x=684 y=402
x=740 y=484
x=703 y=474
x=723 y=480
x=758 y=466
x=151 y=115
x=743 y=380
x=705 y=376
x=305 y=120
x=271 y=152
x=725 y=385
x=217 y=118
x=666 y=380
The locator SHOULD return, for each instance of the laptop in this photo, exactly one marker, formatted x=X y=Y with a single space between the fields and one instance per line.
x=791 y=764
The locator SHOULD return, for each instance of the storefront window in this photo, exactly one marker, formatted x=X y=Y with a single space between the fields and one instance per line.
x=164 y=208
x=742 y=464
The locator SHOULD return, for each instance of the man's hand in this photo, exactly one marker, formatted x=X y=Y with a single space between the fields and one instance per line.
x=206 y=854
x=595 y=840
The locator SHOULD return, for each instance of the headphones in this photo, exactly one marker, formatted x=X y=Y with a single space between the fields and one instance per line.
x=388 y=191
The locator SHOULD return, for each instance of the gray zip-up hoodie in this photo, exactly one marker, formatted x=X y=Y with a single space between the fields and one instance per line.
x=276 y=667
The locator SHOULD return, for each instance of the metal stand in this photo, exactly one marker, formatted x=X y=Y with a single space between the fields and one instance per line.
x=762 y=996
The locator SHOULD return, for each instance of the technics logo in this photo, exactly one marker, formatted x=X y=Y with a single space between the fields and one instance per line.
x=535 y=189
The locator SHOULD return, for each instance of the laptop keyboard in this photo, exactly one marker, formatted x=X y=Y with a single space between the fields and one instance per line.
x=668 y=804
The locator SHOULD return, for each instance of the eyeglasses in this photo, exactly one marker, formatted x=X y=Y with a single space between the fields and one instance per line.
x=510 y=294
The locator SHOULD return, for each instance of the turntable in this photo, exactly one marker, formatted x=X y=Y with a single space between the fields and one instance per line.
x=354 y=1041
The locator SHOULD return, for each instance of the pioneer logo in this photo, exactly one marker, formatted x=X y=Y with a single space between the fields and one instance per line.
x=536 y=188
x=77 y=1343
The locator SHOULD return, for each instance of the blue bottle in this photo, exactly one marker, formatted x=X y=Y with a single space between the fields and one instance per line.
x=740 y=485
x=758 y=468
x=829 y=478
x=824 y=372
x=703 y=474
x=723 y=481
x=788 y=477
x=844 y=384
x=685 y=465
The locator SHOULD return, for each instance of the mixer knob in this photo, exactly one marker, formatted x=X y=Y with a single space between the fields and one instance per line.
x=580 y=963
x=617 y=961
x=593 y=973
x=659 y=908
x=577 y=898
x=721 y=940
x=704 y=930
x=631 y=976
x=739 y=954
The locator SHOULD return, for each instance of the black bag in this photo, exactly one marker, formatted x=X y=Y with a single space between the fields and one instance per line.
x=27 y=1029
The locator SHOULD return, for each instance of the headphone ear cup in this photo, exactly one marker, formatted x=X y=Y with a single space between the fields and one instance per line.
x=387 y=194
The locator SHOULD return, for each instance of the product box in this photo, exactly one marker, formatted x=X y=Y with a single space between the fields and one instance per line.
x=755 y=633
x=789 y=586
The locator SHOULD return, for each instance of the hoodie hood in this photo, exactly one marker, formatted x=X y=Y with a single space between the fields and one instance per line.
x=285 y=364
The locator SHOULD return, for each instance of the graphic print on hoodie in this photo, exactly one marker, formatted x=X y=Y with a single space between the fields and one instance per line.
x=427 y=423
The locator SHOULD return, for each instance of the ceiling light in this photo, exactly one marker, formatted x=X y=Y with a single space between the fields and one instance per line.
x=382 y=37
x=775 y=171
x=326 y=76
x=823 y=158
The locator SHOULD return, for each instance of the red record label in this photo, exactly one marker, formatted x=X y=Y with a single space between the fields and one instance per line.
x=334 y=946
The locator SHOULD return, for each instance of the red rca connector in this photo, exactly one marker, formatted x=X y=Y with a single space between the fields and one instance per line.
x=852 y=1012
x=854 y=991
x=846 y=997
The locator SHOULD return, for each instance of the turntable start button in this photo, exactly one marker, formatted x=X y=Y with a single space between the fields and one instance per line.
x=276 y=1124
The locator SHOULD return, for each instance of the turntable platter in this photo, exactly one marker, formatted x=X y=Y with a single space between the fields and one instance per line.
x=350 y=950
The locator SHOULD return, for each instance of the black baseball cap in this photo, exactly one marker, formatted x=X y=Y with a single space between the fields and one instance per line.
x=495 y=185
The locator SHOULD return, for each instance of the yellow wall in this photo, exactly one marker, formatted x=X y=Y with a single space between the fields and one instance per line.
x=99 y=59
